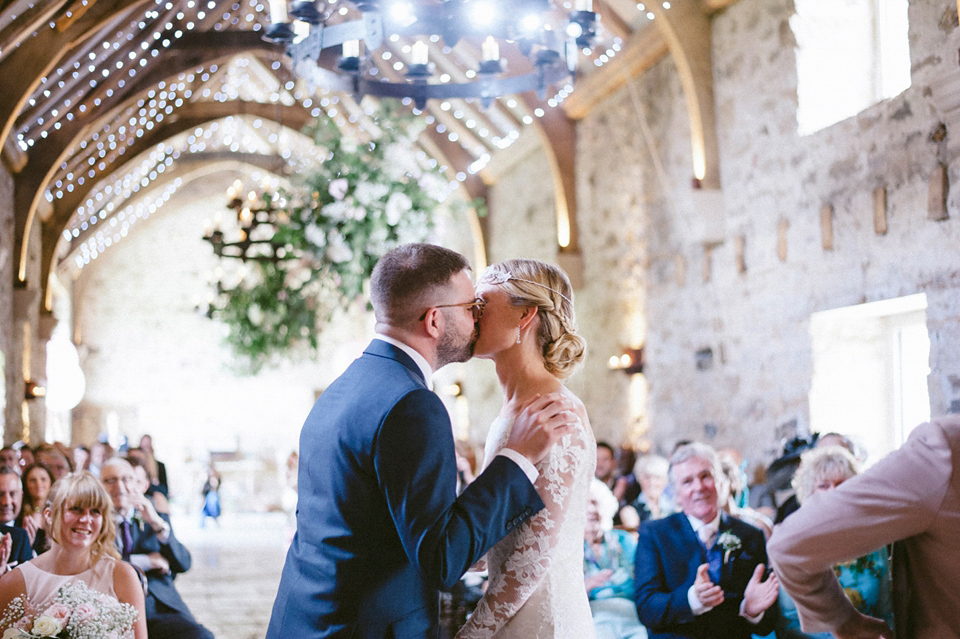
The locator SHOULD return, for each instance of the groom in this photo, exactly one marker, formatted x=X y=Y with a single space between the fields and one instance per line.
x=379 y=525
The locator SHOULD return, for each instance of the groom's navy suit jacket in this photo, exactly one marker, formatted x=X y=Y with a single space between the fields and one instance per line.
x=668 y=555
x=379 y=525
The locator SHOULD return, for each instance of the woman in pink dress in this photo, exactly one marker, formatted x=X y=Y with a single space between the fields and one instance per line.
x=81 y=526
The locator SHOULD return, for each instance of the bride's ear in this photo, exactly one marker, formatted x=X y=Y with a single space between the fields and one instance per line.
x=526 y=318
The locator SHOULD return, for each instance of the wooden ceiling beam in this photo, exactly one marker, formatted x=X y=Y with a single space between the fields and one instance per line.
x=198 y=114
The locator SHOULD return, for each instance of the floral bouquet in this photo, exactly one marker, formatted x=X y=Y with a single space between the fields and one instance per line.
x=76 y=612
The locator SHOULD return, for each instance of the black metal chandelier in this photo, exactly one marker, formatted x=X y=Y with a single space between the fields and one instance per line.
x=319 y=30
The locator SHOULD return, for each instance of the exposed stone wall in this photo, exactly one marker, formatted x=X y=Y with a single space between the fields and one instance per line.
x=655 y=248
x=7 y=273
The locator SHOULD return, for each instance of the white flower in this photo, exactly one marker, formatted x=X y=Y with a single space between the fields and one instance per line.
x=338 y=188
x=369 y=192
x=12 y=633
x=338 y=251
x=255 y=314
x=356 y=213
x=336 y=210
x=348 y=144
x=46 y=626
x=397 y=205
x=436 y=188
x=400 y=162
x=315 y=235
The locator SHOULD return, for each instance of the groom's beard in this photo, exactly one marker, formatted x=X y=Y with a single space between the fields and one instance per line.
x=454 y=347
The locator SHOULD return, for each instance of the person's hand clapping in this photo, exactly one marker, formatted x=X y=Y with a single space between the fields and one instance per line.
x=6 y=547
x=598 y=580
x=150 y=515
x=540 y=423
x=760 y=595
x=709 y=594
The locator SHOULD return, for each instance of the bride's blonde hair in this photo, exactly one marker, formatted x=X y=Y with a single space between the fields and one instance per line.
x=81 y=489
x=530 y=282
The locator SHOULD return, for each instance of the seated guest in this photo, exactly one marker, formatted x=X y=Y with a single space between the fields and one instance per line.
x=54 y=459
x=37 y=480
x=699 y=572
x=652 y=503
x=99 y=453
x=608 y=557
x=150 y=465
x=11 y=500
x=865 y=581
x=10 y=457
x=146 y=444
x=82 y=530
x=733 y=486
x=144 y=487
x=11 y=495
x=146 y=540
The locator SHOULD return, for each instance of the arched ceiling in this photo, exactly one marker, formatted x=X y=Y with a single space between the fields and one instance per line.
x=103 y=99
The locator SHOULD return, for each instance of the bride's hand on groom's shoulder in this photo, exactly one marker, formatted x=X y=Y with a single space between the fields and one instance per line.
x=540 y=423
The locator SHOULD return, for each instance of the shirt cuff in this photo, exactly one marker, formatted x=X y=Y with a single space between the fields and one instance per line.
x=528 y=468
x=140 y=561
x=696 y=607
x=753 y=620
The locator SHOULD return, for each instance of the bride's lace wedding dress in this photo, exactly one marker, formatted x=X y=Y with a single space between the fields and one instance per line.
x=536 y=589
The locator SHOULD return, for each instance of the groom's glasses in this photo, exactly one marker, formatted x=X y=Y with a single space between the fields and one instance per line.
x=476 y=307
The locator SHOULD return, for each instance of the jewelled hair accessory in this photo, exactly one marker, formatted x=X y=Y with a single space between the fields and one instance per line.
x=502 y=277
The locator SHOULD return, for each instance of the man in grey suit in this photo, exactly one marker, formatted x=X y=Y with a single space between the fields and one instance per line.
x=380 y=527
x=910 y=499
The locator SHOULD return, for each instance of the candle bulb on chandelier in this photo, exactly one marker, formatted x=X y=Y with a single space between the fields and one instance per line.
x=583 y=5
x=278 y=11
x=490 y=49
x=419 y=54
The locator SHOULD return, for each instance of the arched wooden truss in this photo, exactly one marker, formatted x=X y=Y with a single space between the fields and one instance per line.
x=32 y=53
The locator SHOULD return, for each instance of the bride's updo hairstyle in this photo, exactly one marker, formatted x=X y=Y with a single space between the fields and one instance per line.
x=81 y=489
x=534 y=283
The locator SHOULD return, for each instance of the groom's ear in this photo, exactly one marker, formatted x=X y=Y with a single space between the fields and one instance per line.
x=433 y=323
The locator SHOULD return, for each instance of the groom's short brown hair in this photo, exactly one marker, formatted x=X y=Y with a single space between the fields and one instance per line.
x=405 y=281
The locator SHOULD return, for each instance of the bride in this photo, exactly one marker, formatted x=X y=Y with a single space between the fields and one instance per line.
x=536 y=590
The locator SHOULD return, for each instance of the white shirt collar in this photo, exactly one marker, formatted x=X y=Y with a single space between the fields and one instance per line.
x=419 y=359
x=712 y=526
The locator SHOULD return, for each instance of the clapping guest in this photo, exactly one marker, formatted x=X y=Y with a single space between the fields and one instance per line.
x=37 y=481
x=10 y=457
x=14 y=541
x=608 y=557
x=699 y=572
x=865 y=581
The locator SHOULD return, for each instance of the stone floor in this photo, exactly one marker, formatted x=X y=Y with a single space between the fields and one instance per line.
x=236 y=568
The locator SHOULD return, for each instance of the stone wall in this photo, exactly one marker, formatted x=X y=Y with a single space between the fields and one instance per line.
x=7 y=274
x=729 y=280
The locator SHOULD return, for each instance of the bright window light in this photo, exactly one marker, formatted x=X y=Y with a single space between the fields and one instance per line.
x=851 y=54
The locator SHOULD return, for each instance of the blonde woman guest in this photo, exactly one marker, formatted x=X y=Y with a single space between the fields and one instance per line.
x=528 y=329
x=866 y=581
x=80 y=522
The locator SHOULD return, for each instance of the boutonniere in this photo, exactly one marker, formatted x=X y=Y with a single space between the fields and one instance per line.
x=137 y=519
x=729 y=542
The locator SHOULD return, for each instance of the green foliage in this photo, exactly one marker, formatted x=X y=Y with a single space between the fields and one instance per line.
x=364 y=198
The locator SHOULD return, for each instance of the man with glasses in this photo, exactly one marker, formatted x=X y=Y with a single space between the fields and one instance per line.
x=145 y=539
x=380 y=527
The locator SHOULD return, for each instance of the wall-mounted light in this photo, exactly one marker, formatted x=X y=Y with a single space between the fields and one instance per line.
x=630 y=361
x=34 y=390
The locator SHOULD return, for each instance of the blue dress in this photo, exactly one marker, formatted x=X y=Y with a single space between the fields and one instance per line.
x=866 y=582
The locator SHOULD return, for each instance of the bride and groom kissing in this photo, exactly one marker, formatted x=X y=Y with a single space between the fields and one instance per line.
x=380 y=527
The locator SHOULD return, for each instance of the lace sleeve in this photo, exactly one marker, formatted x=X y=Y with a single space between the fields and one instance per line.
x=528 y=559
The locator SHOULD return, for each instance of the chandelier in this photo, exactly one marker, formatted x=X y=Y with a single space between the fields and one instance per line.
x=342 y=51
x=252 y=237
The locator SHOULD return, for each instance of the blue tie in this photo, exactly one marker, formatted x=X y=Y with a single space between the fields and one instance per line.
x=714 y=556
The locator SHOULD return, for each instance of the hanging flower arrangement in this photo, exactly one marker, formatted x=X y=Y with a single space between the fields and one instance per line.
x=363 y=198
